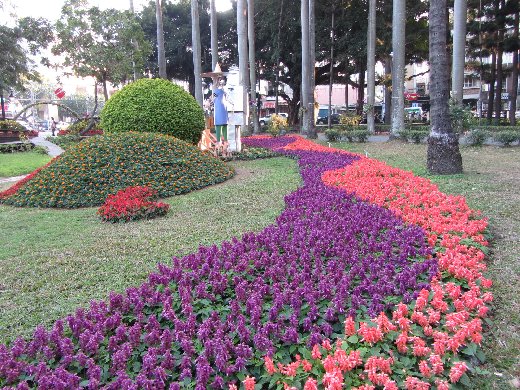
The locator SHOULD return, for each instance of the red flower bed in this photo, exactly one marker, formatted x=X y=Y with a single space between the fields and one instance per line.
x=131 y=204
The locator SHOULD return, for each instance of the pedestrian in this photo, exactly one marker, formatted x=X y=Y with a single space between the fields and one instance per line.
x=53 y=126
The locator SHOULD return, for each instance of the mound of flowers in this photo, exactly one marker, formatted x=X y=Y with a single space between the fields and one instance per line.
x=131 y=204
x=99 y=166
x=262 y=310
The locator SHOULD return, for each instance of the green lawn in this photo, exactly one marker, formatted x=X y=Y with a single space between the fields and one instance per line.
x=490 y=184
x=20 y=163
x=54 y=261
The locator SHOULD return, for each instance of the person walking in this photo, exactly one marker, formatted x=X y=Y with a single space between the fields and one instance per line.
x=53 y=126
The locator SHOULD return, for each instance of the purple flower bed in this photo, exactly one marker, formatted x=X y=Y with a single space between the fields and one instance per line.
x=217 y=312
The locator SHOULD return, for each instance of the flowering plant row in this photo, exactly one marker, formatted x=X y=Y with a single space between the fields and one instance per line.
x=423 y=344
x=99 y=166
x=209 y=319
x=131 y=204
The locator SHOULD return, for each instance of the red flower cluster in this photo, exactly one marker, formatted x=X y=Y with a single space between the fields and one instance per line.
x=131 y=204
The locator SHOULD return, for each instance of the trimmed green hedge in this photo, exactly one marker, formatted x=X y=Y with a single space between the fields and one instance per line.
x=154 y=106
x=10 y=125
x=99 y=166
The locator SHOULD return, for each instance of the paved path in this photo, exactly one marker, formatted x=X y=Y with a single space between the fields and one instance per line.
x=53 y=150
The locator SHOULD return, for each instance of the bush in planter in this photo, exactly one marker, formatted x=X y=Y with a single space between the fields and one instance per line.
x=10 y=125
x=507 y=137
x=132 y=204
x=154 y=106
x=415 y=134
x=333 y=134
x=476 y=137
x=277 y=125
x=360 y=134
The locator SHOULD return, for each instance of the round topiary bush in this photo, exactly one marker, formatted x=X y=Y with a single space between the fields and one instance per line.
x=155 y=106
x=99 y=166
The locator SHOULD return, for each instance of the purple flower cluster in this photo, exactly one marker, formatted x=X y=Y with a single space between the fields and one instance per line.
x=208 y=315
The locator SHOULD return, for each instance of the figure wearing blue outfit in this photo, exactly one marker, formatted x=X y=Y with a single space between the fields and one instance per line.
x=221 y=114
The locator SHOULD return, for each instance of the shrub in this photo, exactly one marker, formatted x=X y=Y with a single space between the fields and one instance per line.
x=16 y=147
x=507 y=137
x=131 y=204
x=251 y=153
x=333 y=134
x=359 y=134
x=277 y=125
x=415 y=134
x=476 y=137
x=154 y=106
x=98 y=166
x=10 y=125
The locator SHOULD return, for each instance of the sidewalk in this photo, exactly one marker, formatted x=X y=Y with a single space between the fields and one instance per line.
x=53 y=150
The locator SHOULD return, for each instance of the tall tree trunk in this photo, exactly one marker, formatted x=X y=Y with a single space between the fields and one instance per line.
x=347 y=79
x=398 y=64
x=331 y=75
x=443 y=144
x=371 y=66
x=459 y=45
x=500 y=72
x=361 y=89
x=243 y=58
x=214 y=35
x=388 y=92
x=491 y=92
x=311 y=133
x=513 y=95
x=195 y=43
x=161 y=56
x=277 y=83
x=252 y=63
x=305 y=66
x=105 y=89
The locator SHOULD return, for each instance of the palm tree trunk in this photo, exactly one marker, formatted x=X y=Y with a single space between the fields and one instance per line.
x=371 y=65
x=195 y=43
x=214 y=36
x=459 y=44
x=500 y=53
x=161 y=56
x=311 y=132
x=491 y=92
x=388 y=92
x=252 y=63
x=514 y=76
x=398 y=64
x=305 y=66
x=443 y=144
x=243 y=58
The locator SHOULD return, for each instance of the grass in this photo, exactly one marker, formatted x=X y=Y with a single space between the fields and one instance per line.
x=489 y=183
x=20 y=163
x=54 y=261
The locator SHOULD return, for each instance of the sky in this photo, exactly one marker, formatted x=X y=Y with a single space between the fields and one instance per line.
x=50 y=9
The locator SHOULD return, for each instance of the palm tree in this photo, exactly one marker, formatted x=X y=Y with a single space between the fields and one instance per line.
x=459 y=44
x=398 y=62
x=311 y=131
x=243 y=56
x=304 y=105
x=161 y=56
x=371 y=65
x=195 y=43
x=214 y=36
x=443 y=144
x=252 y=62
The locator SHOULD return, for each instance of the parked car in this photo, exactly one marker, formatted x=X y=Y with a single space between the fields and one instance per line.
x=324 y=120
x=266 y=119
